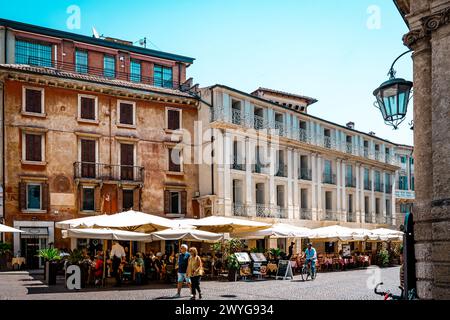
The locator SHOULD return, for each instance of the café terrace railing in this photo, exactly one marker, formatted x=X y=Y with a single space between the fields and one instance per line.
x=102 y=171
x=250 y=120
x=107 y=74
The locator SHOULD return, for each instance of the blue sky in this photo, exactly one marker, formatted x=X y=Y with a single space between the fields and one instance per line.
x=322 y=49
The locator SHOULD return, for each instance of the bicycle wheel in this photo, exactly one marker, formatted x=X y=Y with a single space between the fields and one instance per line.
x=304 y=273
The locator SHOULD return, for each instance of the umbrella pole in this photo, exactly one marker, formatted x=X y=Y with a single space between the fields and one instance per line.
x=105 y=242
x=131 y=242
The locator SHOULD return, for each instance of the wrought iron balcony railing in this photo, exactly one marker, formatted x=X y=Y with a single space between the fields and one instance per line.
x=238 y=166
x=99 y=72
x=259 y=168
x=239 y=210
x=350 y=182
x=351 y=217
x=236 y=116
x=379 y=218
x=378 y=186
x=388 y=188
x=368 y=217
x=282 y=171
x=281 y=128
x=367 y=184
x=305 y=174
x=305 y=214
x=280 y=212
x=329 y=178
x=101 y=171
x=259 y=123
x=329 y=215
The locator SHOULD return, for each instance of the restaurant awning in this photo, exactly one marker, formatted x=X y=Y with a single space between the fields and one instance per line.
x=332 y=233
x=187 y=234
x=220 y=224
x=84 y=222
x=384 y=234
x=278 y=230
x=106 y=234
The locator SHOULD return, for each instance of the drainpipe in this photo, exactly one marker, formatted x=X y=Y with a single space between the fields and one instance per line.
x=212 y=144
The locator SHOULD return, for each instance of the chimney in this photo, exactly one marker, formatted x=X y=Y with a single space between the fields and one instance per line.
x=350 y=125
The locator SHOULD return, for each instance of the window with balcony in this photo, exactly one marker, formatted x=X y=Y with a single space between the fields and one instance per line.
x=412 y=183
x=305 y=172
x=328 y=176
x=88 y=199
x=378 y=181
x=33 y=100
x=367 y=182
x=403 y=182
x=109 y=66
x=238 y=156
x=377 y=152
x=87 y=107
x=236 y=112
x=279 y=124
x=88 y=158
x=281 y=168
x=135 y=71
x=126 y=113
x=377 y=206
x=348 y=144
x=127 y=161
x=238 y=203
x=163 y=76
x=367 y=215
x=174 y=155
x=329 y=213
x=366 y=148
x=303 y=133
x=258 y=118
x=387 y=183
x=387 y=155
x=81 y=61
x=350 y=181
x=351 y=217
x=33 y=53
x=261 y=210
x=327 y=138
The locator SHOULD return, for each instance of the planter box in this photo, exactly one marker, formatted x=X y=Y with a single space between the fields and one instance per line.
x=50 y=271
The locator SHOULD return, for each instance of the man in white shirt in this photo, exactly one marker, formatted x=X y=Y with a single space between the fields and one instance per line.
x=117 y=253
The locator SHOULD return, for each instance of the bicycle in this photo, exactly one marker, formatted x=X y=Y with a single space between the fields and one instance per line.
x=387 y=294
x=307 y=272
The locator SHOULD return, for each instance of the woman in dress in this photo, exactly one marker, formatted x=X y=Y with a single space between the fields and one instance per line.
x=194 y=272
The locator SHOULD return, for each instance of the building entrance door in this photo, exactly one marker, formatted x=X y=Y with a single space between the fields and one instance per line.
x=30 y=249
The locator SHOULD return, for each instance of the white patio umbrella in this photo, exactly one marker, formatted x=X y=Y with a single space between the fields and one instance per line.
x=5 y=229
x=334 y=232
x=278 y=230
x=187 y=234
x=384 y=234
x=85 y=222
x=106 y=234
x=220 y=224
x=361 y=234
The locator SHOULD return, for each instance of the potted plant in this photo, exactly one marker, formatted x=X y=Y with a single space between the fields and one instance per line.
x=5 y=254
x=233 y=267
x=51 y=257
x=383 y=258
x=275 y=253
x=75 y=257
x=228 y=248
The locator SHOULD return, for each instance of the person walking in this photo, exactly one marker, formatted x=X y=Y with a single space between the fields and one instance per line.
x=194 y=272
x=183 y=259
x=290 y=251
x=117 y=254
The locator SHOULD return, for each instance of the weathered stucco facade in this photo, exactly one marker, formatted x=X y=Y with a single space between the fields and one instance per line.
x=429 y=38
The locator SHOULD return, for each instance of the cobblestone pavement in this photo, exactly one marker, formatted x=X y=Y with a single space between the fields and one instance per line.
x=347 y=285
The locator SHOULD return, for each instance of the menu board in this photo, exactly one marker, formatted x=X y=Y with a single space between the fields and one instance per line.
x=258 y=257
x=242 y=257
x=346 y=252
x=284 y=270
x=259 y=269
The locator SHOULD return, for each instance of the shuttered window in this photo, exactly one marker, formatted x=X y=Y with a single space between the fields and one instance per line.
x=87 y=108
x=127 y=161
x=175 y=202
x=33 y=147
x=88 y=158
x=33 y=100
x=126 y=113
x=173 y=119
x=174 y=160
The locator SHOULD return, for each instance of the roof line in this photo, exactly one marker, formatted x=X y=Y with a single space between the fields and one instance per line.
x=91 y=40
x=305 y=114
x=310 y=100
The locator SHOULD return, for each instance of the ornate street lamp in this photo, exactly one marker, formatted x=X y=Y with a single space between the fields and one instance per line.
x=393 y=96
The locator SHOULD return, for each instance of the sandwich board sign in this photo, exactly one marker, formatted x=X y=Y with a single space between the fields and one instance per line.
x=284 y=270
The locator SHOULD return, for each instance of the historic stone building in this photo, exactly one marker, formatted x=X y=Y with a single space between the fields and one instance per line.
x=274 y=161
x=89 y=126
x=404 y=193
x=429 y=38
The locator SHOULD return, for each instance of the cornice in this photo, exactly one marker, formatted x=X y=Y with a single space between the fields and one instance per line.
x=429 y=24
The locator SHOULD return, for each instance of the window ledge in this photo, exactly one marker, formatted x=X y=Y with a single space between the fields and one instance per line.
x=127 y=126
x=34 y=211
x=171 y=131
x=85 y=213
x=33 y=114
x=88 y=121
x=34 y=163
x=175 y=173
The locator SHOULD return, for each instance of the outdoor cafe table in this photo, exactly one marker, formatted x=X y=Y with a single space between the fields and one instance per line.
x=18 y=260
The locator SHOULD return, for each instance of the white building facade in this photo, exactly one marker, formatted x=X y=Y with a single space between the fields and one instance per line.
x=273 y=161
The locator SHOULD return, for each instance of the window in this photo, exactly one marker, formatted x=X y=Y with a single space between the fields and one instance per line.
x=328 y=200
x=329 y=247
x=173 y=119
x=127 y=161
x=33 y=53
x=304 y=198
x=126 y=112
x=87 y=107
x=88 y=156
x=377 y=205
x=135 y=71
x=109 y=66
x=403 y=183
x=162 y=76
x=33 y=147
x=81 y=61
x=88 y=197
x=34 y=196
x=33 y=100
x=350 y=203
x=174 y=202
x=127 y=199
x=174 y=159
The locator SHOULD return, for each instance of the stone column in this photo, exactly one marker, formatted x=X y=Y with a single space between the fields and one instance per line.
x=357 y=194
x=314 y=207
x=343 y=216
x=273 y=164
x=372 y=195
x=290 y=181
x=338 y=188
x=249 y=161
x=319 y=187
x=296 y=195
x=362 y=195
x=227 y=156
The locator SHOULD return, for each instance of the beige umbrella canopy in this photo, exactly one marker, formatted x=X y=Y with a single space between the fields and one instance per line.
x=219 y=224
x=106 y=234
x=187 y=234
x=4 y=228
x=332 y=233
x=278 y=230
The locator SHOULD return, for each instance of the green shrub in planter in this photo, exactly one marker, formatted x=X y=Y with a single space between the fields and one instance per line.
x=383 y=258
x=51 y=257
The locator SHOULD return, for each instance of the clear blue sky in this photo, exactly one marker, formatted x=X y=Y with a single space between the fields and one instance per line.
x=322 y=49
